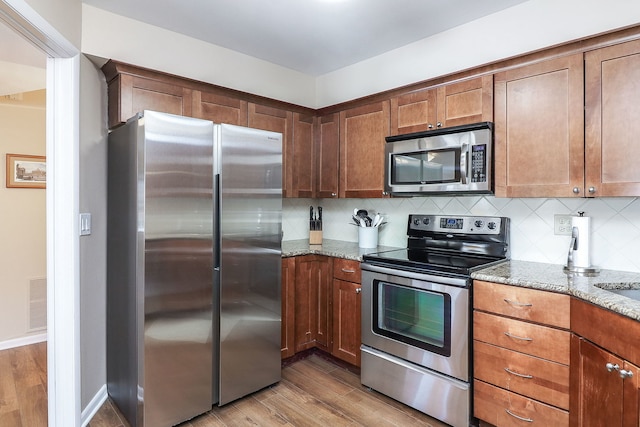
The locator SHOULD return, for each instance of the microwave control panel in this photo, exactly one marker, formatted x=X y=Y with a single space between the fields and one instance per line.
x=479 y=163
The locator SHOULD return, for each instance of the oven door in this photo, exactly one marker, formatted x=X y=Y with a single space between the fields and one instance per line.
x=421 y=318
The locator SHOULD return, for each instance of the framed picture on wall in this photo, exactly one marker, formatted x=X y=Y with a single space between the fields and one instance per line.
x=26 y=171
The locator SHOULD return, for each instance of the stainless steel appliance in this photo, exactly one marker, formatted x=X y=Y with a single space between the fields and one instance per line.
x=451 y=160
x=194 y=259
x=416 y=312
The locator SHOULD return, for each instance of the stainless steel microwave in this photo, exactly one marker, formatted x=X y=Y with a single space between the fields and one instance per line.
x=455 y=160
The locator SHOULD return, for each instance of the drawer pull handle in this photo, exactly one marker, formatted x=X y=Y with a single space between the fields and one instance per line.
x=529 y=420
x=358 y=290
x=625 y=374
x=612 y=367
x=517 y=337
x=346 y=270
x=517 y=374
x=518 y=304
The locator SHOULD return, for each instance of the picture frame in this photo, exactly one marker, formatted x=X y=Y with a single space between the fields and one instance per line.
x=26 y=171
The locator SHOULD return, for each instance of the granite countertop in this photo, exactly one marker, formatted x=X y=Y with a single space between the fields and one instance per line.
x=550 y=277
x=332 y=248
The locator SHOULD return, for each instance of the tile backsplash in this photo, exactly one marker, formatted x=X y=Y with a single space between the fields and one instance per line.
x=615 y=223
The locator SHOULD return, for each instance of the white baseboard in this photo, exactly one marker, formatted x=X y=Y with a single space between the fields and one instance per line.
x=94 y=405
x=19 y=342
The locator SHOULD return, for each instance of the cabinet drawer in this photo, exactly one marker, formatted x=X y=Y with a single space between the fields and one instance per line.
x=502 y=408
x=346 y=269
x=530 y=376
x=536 y=340
x=527 y=304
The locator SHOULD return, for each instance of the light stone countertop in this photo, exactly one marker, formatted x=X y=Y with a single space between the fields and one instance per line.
x=534 y=275
x=332 y=248
x=550 y=277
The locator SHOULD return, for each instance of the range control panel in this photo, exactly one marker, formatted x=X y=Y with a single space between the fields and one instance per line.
x=455 y=224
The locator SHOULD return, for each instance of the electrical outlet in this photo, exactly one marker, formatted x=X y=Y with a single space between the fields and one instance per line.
x=562 y=225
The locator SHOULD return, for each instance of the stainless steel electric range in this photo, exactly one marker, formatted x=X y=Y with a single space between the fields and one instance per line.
x=416 y=312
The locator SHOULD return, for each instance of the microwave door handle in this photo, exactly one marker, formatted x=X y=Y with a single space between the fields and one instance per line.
x=463 y=163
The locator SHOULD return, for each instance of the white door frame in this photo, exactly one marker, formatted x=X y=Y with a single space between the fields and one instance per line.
x=63 y=277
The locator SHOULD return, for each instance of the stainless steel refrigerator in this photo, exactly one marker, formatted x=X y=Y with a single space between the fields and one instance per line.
x=194 y=265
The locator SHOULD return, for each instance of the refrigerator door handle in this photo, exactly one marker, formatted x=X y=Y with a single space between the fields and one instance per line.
x=216 y=222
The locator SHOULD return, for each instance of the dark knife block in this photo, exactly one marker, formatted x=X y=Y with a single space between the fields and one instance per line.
x=315 y=237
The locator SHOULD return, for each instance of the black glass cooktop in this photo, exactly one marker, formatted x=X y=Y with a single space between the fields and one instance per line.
x=423 y=260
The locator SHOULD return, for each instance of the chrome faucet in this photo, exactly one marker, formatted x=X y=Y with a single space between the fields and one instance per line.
x=573 y=245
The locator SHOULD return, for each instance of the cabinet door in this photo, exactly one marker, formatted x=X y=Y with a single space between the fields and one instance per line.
x=599 y=394
x=303 y=162
x=277 y=120
x=288 y=307
x=631 y=415
x=219 y=108
x=539 y=129
x=362 y=162
x=469 y=101
x=327 y=155
x=612 y=125
x=312 y=303
x=413 y=112
x=129 y=95
x=346 y=321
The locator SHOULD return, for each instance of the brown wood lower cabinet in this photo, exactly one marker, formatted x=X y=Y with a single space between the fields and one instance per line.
x=313 y=302
x=604 y=367
x=288 y=307
x=346 y=310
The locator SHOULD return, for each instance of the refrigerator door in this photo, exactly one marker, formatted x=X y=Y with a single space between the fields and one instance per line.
x=250 y=222
x=175 y=240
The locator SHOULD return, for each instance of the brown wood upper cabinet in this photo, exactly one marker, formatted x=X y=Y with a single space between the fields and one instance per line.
x=612 y=125
x=303 y=161
x=327 y=152
x=362 y=138
x=133 y=94
x=281 y=121
x=464 y=102
x=539 y=129
x=219 y=108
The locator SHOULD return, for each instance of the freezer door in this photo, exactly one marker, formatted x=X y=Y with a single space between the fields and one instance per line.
x=250 y=215
x=175 y=231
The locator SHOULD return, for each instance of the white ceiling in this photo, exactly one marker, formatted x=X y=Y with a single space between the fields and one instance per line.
x=22 y=65
x=311 y=36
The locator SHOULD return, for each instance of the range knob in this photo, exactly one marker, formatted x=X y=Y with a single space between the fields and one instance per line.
x=478 y=223
x=416 y=221
x=426 y=221
x=492 y=225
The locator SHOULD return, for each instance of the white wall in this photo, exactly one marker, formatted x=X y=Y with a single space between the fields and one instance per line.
x=531 y=25
x=615 y=225
x=111 y=36
x=93 y=258
x=63 y=15
x=22 y=219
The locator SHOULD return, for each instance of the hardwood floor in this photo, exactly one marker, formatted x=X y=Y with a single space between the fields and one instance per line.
x=23 y=386
x=313 y=392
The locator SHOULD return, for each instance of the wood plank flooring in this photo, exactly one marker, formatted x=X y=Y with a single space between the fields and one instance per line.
x=314 y=391
x=23 y=386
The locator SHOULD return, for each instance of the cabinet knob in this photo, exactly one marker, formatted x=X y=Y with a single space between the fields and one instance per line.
x=385 y=193
x=612 y=367
x=592 y=190
x=576 y=190
x=439 y=124
x=358 y=290
x=625 y=374
x=333 y=194
x=430 y=126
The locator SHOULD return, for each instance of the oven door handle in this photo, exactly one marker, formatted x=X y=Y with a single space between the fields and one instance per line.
x=459 y=282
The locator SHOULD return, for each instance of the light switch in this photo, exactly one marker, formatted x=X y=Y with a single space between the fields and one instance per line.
x=85 y=224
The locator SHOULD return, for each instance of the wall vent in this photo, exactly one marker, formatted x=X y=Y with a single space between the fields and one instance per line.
x=38 y=304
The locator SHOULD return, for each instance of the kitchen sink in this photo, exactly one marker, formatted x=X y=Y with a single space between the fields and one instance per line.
x=629 y=290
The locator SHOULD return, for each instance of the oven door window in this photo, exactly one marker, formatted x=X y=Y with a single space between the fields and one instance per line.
x=413 y=316
x=426 y=167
